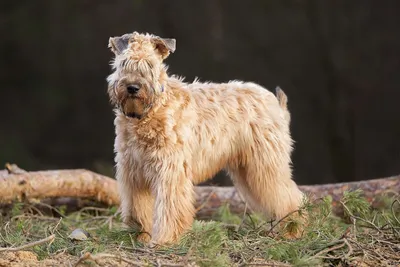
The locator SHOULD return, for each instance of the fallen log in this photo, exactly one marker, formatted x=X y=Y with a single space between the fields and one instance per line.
x=85 y=184
x=58 y=183
x=213 y=197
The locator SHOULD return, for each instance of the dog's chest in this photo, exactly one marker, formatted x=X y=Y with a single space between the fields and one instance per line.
x=135 y=155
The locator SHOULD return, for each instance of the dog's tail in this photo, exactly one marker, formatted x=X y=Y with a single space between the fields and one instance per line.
x=282 y=99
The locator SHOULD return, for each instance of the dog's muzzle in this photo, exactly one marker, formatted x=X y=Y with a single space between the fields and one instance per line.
x=133 y=115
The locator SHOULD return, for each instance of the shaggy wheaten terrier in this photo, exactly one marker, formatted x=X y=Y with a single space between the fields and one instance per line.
x=171 y=135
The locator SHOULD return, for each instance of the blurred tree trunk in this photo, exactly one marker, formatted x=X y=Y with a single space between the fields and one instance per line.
x=338 y=61
x=339 y=109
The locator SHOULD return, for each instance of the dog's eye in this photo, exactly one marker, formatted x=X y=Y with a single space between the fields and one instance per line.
x=132 y=88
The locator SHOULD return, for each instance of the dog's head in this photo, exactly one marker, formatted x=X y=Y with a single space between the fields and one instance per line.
x=139 y=71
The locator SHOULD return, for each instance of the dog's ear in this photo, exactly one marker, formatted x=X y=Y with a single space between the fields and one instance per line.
x=164 y=46
x=119 y=43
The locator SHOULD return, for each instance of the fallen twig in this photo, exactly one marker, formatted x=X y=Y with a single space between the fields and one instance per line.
x=97 y=257
x=265 y=264
x=161 y=264
x=329 y=249
x=32 y=244
x=350 y=248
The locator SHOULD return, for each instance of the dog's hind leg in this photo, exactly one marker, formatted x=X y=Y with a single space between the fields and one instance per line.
x=266 y=185
x=272 y=195
x=238 y=177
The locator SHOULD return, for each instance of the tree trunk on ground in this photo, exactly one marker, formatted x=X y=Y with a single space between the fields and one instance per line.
x=89 y=185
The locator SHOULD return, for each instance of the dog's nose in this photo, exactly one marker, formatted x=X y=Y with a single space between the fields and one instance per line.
x=132 y=89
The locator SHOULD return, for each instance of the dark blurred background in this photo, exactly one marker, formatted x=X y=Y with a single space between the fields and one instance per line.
x=338 y=61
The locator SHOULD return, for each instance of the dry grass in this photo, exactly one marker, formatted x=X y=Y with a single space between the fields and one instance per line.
x=362 y=236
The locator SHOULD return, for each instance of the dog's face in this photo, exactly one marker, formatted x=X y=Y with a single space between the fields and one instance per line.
x=138 y=71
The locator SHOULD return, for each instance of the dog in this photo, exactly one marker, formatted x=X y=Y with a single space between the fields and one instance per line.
x=172 y=135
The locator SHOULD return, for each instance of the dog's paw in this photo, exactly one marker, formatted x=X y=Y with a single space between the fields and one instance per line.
x=144 y=238
x=294 y=226
x=293 y=234
x=153 y=245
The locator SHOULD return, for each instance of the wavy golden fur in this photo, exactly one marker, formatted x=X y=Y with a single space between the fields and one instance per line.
x=171 y=135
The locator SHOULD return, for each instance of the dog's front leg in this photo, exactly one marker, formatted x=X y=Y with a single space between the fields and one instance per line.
x=174 y=205
x=136 y=200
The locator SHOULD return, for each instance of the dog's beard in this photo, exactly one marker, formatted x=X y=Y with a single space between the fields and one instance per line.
x=133 y=107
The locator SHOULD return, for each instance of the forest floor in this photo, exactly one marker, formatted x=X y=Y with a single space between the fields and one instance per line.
x=362 y=236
